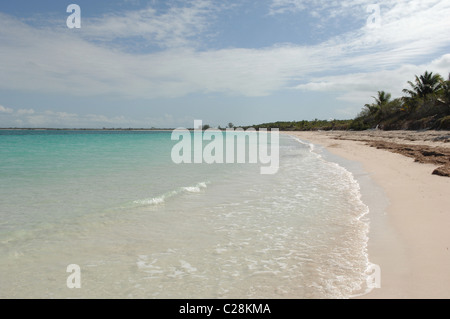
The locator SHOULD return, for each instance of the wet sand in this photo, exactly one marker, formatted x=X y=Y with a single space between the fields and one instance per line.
x=409 y=235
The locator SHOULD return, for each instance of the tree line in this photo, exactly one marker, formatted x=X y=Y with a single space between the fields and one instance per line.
x=425 y=105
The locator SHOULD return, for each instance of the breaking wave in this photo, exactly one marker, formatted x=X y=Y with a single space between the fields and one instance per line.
x=158 y=200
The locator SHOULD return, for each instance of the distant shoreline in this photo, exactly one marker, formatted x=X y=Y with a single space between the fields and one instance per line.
x=171 y=129
x=83 y=129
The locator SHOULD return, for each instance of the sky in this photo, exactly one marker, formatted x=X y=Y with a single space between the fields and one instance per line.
x=164 y=64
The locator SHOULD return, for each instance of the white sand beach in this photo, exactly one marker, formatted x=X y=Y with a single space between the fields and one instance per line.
x=412 y=246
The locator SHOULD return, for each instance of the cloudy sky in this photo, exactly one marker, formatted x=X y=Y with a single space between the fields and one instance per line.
x=136 y=63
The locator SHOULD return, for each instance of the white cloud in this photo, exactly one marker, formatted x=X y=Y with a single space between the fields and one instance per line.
x=321 y=8
x=5 y=110
x=177 y=27
x=61 y=61
x=359 y=87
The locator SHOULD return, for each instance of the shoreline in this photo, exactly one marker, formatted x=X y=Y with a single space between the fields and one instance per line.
x=409 y=213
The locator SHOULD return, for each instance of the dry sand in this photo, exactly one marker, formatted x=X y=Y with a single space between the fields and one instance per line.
x=410 y=237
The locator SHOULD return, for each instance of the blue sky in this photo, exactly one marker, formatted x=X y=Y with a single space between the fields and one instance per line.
x=163 y=64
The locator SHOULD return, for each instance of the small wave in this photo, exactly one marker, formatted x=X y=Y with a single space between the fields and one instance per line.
x=351 y=184
x=310 y=145
x=195 y=189
x=151 y=201
x=163 y=198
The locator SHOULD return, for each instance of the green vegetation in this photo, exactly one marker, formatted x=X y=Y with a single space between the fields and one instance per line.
x=426 y=105
x=307 y=125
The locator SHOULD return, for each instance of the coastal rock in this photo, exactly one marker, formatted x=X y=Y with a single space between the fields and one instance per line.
x=442 y=171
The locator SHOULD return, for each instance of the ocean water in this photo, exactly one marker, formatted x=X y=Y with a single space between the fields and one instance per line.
x=140 y=226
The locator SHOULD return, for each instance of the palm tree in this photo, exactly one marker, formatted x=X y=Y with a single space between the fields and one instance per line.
x=446 y=89
x=445 y=93
x=381 y=100
x=424 y=85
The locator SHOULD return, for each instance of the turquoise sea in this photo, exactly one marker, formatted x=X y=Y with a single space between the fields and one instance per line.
x=140 y=226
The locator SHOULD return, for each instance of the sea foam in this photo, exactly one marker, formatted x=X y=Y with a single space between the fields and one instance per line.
x=163 y=198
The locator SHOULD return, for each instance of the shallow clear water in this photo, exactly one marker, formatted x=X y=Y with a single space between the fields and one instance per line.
x=140 y=226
